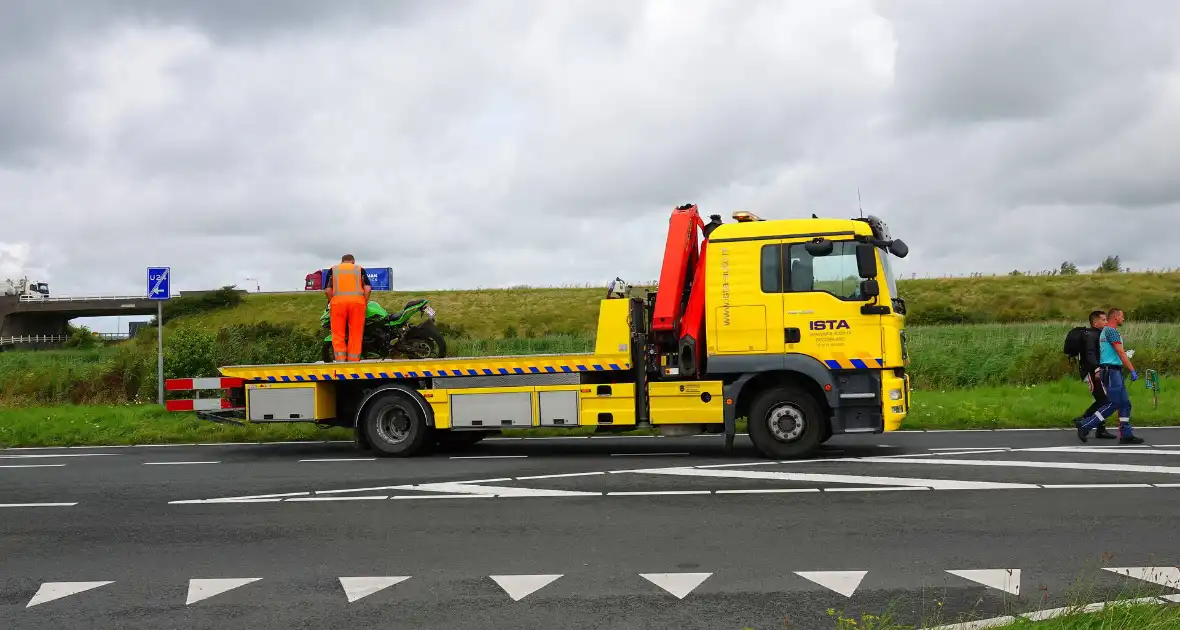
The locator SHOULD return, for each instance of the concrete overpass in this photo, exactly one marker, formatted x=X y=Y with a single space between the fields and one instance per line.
x=26 y=316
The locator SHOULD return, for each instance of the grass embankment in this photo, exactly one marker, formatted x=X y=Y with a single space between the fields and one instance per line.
x=943 y=358
x=539 y=312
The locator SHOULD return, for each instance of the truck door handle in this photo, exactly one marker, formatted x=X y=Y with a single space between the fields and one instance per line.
x=792 y=335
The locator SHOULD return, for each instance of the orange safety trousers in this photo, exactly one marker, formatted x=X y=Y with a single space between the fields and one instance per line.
x=347 y=314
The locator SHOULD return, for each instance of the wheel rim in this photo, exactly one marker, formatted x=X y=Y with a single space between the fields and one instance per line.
x=786 y=422
x=393 y=425
x=420 y=348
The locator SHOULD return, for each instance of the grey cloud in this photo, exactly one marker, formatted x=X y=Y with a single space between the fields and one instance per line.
x=974 y=60
x=487 y=144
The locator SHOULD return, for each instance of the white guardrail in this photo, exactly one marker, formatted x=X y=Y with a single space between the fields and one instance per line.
x=12 y=341
x=83 y=298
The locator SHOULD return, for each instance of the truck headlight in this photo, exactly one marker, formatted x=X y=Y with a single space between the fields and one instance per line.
x=895 y=394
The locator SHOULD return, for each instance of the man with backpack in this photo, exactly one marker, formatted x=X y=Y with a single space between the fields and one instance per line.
x=1082 y=343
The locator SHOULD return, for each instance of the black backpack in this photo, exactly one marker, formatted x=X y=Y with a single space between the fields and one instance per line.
x=1079 y=342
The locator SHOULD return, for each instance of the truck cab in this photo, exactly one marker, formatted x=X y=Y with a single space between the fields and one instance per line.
x=800 y=319
x=805 y=325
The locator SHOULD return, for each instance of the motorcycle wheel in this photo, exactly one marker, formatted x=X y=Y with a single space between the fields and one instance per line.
x=424 y=342
x=327 y=353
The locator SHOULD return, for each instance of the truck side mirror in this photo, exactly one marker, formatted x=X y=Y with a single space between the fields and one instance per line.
x=899 y=248
x=869 y=289
x=866 y=260
x=819 y=247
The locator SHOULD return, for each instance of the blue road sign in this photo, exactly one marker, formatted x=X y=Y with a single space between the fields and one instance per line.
x=159 y=283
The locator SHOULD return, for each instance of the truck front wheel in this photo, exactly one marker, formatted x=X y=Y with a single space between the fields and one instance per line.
x=786 y=423
x=394 y=425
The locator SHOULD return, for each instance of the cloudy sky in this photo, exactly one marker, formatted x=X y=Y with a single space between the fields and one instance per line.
x=469 y=143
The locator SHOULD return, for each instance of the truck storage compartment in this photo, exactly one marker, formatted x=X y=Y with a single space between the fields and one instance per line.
x=686 y=402
x=609 y=404
x=502 y=409
x=558 y=408
x=290 y=402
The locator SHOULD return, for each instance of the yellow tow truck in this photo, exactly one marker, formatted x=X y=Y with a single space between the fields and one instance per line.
x=794 y=324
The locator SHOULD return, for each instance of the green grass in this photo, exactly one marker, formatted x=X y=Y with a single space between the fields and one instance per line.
x=1049 y=405
x=127 y=373
x=954 y=357
x=1006 y=299
x=942 y=358
x=137 y=424
x=1044 y=405
x=540 y=312
x=1133 y=605
x=1121 y=617
x=476 y=314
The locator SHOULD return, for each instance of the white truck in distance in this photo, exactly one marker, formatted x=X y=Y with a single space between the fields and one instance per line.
x=26 y=289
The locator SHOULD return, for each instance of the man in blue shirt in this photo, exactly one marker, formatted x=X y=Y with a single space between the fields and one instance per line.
x=1112 y=361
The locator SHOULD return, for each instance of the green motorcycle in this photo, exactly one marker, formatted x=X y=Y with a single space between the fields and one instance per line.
x=390 y=336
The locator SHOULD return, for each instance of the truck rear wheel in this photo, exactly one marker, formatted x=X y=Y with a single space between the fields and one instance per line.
x=786 y=423
x=394 y=425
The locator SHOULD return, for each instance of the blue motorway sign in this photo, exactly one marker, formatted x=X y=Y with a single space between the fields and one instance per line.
x=159 y=283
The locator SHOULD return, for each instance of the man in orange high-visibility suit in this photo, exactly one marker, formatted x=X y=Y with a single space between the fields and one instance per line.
x=347 y=286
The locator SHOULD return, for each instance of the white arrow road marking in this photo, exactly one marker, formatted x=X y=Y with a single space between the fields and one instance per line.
x=519 y=587
x=678 y=584
x=843 y=582
x=358 y=587
x=1168 y=470
x=204 y=589
x=1164 y=576
x=50 y=591
x=1007 y=580
x=937 y=484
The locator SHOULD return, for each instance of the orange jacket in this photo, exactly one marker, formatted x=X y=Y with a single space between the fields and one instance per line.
x=347 y=283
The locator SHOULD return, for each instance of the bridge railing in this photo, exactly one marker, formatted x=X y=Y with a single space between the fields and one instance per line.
x=83 y=298
x=12 y=341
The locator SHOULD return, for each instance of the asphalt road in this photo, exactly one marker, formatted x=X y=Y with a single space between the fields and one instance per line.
x=583 y=532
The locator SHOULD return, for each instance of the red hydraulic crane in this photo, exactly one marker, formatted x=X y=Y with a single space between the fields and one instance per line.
x=677 y=317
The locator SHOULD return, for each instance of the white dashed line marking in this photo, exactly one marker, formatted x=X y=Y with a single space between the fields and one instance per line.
x=31 y=465
x=876 y=489
x=1064 y=486
x=768 y=491
x=176 y=463
x=340 y=498
x=46 y=455
x=559 y=476
x=656 y=493
x=489 y=457
x=645 y=454
x=341 y=459
x=443 y=496
x=20 y=505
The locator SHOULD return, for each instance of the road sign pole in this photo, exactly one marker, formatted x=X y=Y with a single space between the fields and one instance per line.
x=160 y=350
x=159 y=288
